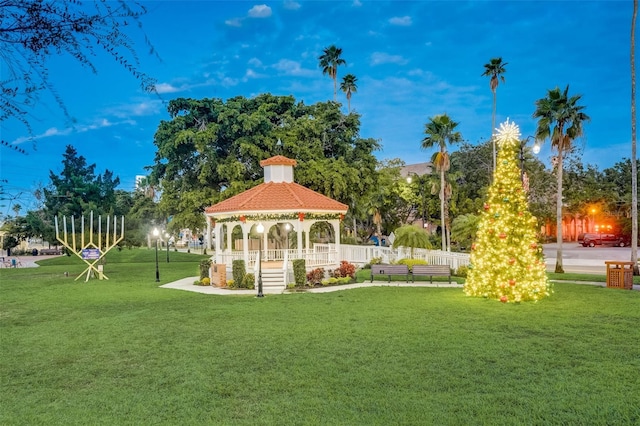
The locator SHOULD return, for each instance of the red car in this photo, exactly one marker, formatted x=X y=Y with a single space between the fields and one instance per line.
x=592 y=240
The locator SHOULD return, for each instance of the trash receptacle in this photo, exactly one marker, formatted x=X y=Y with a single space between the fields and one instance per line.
x=619 y=274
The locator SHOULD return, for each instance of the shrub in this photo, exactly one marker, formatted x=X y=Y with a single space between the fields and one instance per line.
x=337 y=281
x=315 y=276
x=238 y=270
x=462 y=271
x=249 y=281
x=330 y=281
x=375 y=261
x=299 y=272
x=204 y=268
x=346 y=269
x=231 y=284
x=411 y=262
x=205 y=281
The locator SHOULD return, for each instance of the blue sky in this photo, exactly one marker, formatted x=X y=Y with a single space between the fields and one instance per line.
x=413 y=60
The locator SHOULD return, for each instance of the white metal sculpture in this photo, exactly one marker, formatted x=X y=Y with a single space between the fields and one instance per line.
x=94 y=250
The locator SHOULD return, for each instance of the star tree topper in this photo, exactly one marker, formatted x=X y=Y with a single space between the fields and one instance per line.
x=508 y=133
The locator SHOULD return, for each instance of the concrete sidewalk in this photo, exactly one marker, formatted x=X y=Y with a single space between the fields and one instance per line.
x=187 y=285
x=24 y=261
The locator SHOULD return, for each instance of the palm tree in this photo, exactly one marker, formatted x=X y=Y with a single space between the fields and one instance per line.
x=494 y=69
x=560 y=119
x=440 y=131
x=348 y=86
x=329 y=62
x=634 y=163
x=412 y=237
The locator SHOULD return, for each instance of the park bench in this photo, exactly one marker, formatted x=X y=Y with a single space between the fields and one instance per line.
x=389 y=270
x=431 y=271
x=50 y=251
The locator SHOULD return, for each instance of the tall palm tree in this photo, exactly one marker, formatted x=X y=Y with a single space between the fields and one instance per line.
x=348 y=86
x=329 y=62
x=634 y=161
x=560 y=119
x=494 y=69
x=440 y=132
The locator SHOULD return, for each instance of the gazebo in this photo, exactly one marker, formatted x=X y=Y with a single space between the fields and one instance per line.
x=281 y=202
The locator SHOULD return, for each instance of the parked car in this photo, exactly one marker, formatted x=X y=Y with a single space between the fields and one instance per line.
x=592 y=240
x=626 y=239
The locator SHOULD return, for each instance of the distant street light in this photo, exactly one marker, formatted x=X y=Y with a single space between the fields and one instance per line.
x=260 y=229
x=535 y=149
x=156 y=234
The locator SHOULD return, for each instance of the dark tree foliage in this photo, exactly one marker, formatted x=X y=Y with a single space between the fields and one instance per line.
x=77 y=190
x=211 y=150
x=33 y=30
x=473 y=167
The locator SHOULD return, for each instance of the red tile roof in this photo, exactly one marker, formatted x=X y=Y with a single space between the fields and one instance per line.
x=279 y=160
x=278 y=197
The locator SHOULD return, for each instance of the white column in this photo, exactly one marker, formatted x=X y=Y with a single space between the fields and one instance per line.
x=336 y=229
x=217 y=230
x=230 y=226
x=208 y=232
x=299 y=230
x=245 y=243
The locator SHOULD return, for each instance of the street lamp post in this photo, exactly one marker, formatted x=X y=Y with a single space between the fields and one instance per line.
x=167 y=237
x=156 y=234
x=535 y=149
x=593 y=218
x=260 y=229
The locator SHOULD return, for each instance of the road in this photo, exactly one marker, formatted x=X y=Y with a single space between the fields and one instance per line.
x=576 y=258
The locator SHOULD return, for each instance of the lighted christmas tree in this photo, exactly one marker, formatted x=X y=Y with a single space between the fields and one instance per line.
x=507 y=262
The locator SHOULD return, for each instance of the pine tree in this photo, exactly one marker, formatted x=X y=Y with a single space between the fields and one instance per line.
x=506 y=259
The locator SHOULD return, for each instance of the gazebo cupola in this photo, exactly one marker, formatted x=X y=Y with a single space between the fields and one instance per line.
x=278 y=169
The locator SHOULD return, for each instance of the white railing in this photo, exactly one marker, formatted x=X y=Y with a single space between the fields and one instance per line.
x=363 y=254
x=326 y=255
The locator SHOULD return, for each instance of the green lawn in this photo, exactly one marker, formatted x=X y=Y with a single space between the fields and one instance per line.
x=123 y=351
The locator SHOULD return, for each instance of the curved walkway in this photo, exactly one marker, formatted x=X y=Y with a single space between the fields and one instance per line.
x=187 y=285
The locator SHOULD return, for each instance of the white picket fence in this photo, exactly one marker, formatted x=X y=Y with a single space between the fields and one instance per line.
x=326 y=255
x=361 y=255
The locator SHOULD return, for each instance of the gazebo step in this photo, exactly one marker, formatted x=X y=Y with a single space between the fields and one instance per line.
x=273 y=280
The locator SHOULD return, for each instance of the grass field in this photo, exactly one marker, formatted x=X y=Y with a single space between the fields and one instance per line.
x=123 y=351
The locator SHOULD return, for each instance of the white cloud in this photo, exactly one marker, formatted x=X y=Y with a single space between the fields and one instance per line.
x=166 y=88
x=260 y=11
x=228 y=81
x=289 y=67
x=234 y=22
x=403 y=21
x=255 y=62
x=251 y=74
x=54 y=131
x=144 y=108
x=379 y=58
x=357 y=3
x=291 y=5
